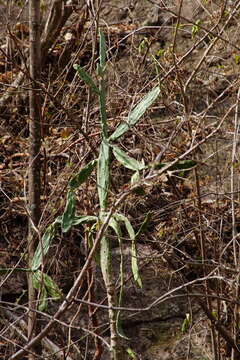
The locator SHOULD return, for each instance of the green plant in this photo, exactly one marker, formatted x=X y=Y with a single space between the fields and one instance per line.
x=69 y=217
x=143 y=45
x=113 y=218
x=186 y=323
x=236 y=59
x=196 y=28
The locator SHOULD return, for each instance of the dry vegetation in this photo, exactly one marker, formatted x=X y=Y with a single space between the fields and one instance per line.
x=191 y=242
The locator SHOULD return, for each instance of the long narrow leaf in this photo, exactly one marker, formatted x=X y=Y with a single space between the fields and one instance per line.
x=69 y=212
x=116 y=227
x=82 y=176
x=127 y=223
x=132 y=355
x=136 y=114
x=52 y=288
x=44 y=245
x=127 y=161
x=48 y=288
x=86 y=78
x=135 y=269
x=183 y=165
x=13 y=270
x=84 y=219
x=105 y=254
x=101 y=68
x=39 y=284
x=103 y=113
x=103 y=175
x=105 y=259
x=180 y=165
x=119 y=327
x=49 y=234
x=145 y=224
x=132 y=236
x=102 y=52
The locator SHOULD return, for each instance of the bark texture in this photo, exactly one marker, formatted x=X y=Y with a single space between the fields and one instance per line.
x=34 y=152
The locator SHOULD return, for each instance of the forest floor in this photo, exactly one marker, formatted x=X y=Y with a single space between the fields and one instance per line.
x=197 y=66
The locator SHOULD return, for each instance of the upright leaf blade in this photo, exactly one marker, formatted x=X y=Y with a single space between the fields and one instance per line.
x=105 y=259
x=145 y=224
x=69 y=212
x=102 y=94
x=103 y=175
x=135 y=269
x=105 y=254
x=119 y=327
x=116 y=227
x=103 y=113
x=136 y=114
x=131 y=232
x=102 y=51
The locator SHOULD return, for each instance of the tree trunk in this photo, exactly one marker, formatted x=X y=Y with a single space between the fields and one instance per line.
x=34 y=154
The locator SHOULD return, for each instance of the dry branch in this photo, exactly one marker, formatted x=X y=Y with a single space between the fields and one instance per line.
x=58 y=15
x=50 y=347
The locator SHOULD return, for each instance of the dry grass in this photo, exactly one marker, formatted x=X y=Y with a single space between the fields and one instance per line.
x=195 y=220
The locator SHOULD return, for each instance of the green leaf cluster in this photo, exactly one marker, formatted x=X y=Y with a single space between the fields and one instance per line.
x=47 y=288
x=108 y=148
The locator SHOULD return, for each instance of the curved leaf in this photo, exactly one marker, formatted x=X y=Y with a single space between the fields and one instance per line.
x=45 y=243
x=52 y=288
x=135 y=177
x=86 y=78
x=131 y=232
x=115 y=226
x=127 y=161
x=82 y=176
x=84 y=219
x=136 y=114
x=47 y=287
x=119 y=327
